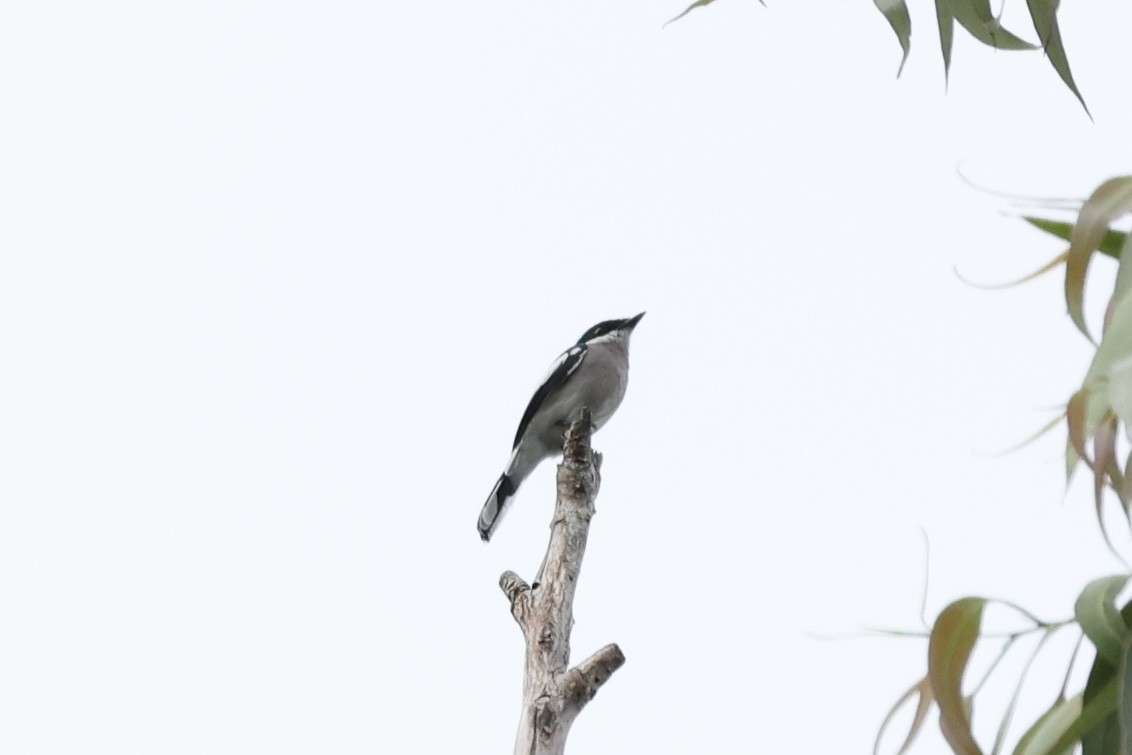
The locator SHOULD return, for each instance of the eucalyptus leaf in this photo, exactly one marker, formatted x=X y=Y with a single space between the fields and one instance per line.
x=1093 y=719
x=1120 y=392
x=980 y=22
x=953 y=637
x=1111 y=245
x=1124 y=699
x=922 y=691
x=1109 y=201
x=1101 y=737
x=1123 y=285
x=1104 y=451
x=1040 y=737
x=698 y=4
x=689 y=9
x=1044 y=15
x=1099 y=618
x=946 y=23
x=896 y=12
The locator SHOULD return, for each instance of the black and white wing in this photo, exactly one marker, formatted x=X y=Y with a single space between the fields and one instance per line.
x=566 y=365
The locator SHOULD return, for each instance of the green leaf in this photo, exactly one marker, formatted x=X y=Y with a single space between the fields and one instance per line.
x=1072 y=459
x=1112 y=199
x=1008 y=715
x=689 y=9
x=1111 y=245
x=698 y=4
x=946 y=23
x=1124 y=706
x=1106 y=393
x=953 y=637
x=1122 y=288
x=896 y=11
x=1126 y=494
x=1100 y=621
x=1120 y=390
x=1100 y=734
x=977 y=18
x=1114 y=348
x=1104 y=451
x=1039 y=738
x=1101 y=737
x=1097 y=727
x=1075 y=412
x=1044 y=15
x=1123 y=285
x=1100 y=706
x=922 y=690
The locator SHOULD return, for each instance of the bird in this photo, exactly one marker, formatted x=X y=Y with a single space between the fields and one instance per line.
x=593 y=373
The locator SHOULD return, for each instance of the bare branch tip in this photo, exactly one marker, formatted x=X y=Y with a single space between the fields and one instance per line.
x=610 y=654
x=513 y=586
x=601 y=665
x=584 y=680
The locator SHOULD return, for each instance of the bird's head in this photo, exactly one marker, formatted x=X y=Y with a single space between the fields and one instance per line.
x=611 y=329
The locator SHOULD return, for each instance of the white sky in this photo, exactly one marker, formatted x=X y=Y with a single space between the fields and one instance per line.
x=278 y=279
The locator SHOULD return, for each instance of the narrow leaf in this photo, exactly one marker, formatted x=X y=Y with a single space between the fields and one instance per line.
x=1114 y=348
x=1037 y=434
x=1124 y=699
x=977 y=18
x=1038 y=740
x=1110 y=245
x=923 y=707
x=1044 y=15
x=1072 y=459
x=1104 y=449
x=1098 y=479
x=1099 y=618
x=1104 y=396
x=946 y=35
x=952 y=639
x=1075 y=412
x=922 y=690
x=1122 y=288
x=1120 y=392
x=698 y=4
x=1101 y=738
x=1127 y=496
x=1008 y=715
x=1098 y=728
x=1095 y=711
x=1123 y=285
x=896 y=11
x=1107 y=388
x=1109 y=201
x=1057 y=261
x=689 y=9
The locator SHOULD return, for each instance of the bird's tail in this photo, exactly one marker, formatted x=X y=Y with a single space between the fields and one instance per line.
x=492 y=512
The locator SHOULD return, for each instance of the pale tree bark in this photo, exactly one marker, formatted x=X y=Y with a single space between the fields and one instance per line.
x=554 y=693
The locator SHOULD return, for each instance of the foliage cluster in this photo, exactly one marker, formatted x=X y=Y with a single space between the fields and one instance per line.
x=1098 y=717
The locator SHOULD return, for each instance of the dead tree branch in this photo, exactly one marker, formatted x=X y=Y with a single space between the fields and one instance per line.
x=553 y=693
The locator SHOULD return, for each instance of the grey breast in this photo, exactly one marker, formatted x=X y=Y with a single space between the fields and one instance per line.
x=607 y=373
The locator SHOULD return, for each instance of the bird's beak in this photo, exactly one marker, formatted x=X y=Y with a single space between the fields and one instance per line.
x=632 y=321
